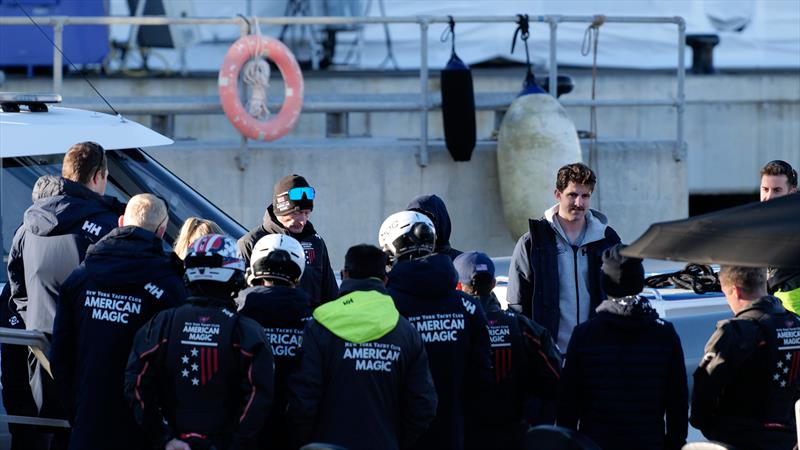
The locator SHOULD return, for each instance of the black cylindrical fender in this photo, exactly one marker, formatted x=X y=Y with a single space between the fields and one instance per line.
x=458 y=109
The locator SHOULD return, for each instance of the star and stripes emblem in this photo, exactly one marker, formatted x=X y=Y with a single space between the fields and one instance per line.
x=198 y=366
x=787 y=367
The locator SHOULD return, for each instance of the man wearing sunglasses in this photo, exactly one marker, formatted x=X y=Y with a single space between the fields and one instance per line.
x=778 y=179
x=68 y=214
x=292 y=204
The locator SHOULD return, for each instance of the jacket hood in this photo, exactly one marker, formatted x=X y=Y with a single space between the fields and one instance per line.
x=431 y=277
x=364 y=284
x=284 y=303
x=272 y=226
x=784 y=279
x=767 y=304
x=596 y=224
x=360 y=316
x=128 y=255
x=59 y=204
x=434 y=207
x=632 y=312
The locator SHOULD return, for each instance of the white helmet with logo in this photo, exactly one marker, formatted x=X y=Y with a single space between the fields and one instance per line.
x=407 y=234
x=277 y=257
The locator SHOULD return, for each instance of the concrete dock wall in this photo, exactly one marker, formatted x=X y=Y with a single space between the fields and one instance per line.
x=361 y=183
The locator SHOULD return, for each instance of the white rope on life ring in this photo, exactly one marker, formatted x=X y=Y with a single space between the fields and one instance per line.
x=247 y=119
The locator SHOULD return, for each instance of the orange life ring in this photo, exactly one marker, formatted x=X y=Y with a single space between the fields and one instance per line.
x=228 y=82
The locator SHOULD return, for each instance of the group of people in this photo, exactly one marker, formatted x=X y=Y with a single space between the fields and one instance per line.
x=253 y=344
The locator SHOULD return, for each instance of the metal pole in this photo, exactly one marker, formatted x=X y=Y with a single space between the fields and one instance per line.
x=58 y=64
x=422 y=157
x=553 y=58
x=681 y=100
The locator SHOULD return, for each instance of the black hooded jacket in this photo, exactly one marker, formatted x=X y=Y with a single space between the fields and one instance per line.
x=283 y=312
x=527 y=364
x=318 y=279
x=433 y=207
x=125 y=280
x=65 y=218
x=749 y=380
x=624 y=372
x=453 y=327
x=364 y=381
x=200 y=372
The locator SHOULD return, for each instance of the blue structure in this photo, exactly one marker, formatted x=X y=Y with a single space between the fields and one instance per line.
x=24 y=45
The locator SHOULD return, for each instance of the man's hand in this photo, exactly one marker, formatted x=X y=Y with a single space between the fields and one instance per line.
x=177 y=444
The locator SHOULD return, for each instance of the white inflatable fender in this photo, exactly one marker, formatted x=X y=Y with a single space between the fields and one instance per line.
x=536 y=138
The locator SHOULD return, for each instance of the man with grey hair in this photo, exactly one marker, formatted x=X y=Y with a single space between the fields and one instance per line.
x=747 y=382
x=124 y=281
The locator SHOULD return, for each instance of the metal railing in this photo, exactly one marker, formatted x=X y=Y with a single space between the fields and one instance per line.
x=40 y=346
x=424 y=22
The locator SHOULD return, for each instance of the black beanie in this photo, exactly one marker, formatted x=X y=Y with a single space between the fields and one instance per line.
x=622 y=276
x=281 y=203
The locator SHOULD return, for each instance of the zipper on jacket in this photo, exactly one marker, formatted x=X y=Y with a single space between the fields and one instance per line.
x=577 y=291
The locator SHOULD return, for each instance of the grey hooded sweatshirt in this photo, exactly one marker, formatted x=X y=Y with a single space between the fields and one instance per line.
x=573 y=269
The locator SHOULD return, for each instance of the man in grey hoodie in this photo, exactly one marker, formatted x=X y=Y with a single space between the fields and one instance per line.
x=554 y=277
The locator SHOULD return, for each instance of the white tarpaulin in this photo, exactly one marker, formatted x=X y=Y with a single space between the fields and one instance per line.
x=754 y=34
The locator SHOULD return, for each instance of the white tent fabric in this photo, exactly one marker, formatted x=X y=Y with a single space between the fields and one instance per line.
x=754 y=34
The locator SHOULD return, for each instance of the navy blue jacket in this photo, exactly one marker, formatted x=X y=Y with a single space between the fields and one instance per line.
x=433 y=207
x=453 y=327
x=125 y=280
x=318 y=279
x=624 y=373
x=283 y=312
x=65 y=218
x=535 y=293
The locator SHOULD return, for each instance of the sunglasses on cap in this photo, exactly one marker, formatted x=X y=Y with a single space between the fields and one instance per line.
x=298 y=193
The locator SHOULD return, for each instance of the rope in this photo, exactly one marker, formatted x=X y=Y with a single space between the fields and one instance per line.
x=450 y=33
x=255 y=75
x=590 y=40
x=523 y=31
x=696 y=277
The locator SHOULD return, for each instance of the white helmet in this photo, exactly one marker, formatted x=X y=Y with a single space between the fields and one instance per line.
x=213 y=257
x=407 y=233
x=277 y=257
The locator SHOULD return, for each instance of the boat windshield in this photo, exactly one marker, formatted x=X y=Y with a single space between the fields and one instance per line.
x=130 y=172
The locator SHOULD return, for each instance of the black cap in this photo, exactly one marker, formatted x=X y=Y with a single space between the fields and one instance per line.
x=281 y=203
x=622 y=276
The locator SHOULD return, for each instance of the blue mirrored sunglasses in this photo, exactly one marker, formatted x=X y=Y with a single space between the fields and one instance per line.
x=298 y=193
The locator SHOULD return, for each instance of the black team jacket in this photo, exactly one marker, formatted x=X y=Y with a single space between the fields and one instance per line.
x=125 y=280
x=363 y=381
x=453 y=326
x=283 y=312
x=201 y=373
